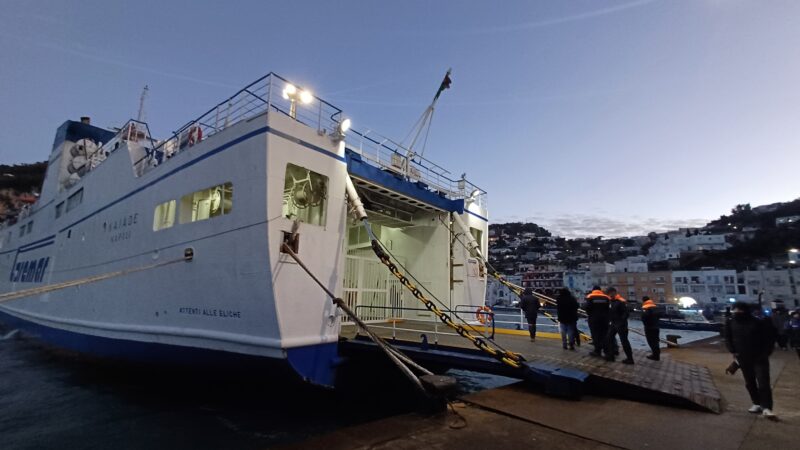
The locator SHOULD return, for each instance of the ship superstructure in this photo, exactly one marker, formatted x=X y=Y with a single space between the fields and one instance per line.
x=265 y=167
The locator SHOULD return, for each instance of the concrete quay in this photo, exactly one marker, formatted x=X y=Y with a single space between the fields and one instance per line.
x=513 y=416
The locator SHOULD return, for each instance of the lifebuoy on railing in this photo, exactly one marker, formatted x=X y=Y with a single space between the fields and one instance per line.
x=483 y=314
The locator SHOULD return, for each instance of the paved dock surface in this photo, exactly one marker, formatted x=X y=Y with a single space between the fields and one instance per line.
x=671 y=379
x=515 y=417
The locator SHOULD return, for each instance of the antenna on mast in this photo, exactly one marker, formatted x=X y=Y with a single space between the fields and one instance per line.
x=140 y=116
x=424 y=122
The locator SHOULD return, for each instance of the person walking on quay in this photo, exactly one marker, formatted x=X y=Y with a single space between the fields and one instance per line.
x=567 y=309
x=597 y=303
x=530 y=306
x=650 y=317
x=618 y=315
x=751 y=340
x=780 y=320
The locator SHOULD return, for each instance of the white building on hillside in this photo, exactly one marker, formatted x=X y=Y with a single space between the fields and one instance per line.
x=706 y=286
x=579 y=282
x=672 y=244
x=631 y=264
x=775 y=285
x=498 y=294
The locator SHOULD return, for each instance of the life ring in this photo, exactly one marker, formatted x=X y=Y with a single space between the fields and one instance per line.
x=195 y=135
x=483 y=314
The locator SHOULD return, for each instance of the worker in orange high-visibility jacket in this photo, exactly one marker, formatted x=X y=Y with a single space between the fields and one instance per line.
x=597 y=309
x=650 y=317
x=618 y=315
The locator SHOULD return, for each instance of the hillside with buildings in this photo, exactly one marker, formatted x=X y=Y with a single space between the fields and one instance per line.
x=19 y=186
x=750 y=253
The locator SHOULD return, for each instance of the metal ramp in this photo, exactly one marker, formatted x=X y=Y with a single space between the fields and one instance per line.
x=558 y=372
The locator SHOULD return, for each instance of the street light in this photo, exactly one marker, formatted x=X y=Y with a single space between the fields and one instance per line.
x=291 y=93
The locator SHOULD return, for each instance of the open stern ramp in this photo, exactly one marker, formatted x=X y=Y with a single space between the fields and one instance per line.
x=560 y=372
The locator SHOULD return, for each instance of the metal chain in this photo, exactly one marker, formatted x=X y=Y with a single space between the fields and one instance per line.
x=512 y=359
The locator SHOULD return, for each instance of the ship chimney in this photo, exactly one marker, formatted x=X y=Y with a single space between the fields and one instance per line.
x=87 y=120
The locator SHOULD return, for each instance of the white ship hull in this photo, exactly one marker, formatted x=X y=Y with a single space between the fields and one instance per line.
x=239 y=295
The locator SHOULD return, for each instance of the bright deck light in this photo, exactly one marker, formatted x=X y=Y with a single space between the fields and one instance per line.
x=289 y=91
x=687 y=302
x=345 y=125
x=306 y=97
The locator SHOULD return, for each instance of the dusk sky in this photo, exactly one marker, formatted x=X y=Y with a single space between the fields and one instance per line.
x=588 y=117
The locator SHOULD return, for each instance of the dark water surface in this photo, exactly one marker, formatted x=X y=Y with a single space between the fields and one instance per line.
x=50 y=399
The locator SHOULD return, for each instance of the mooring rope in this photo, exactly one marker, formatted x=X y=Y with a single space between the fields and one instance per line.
x=399 y=359
x=92 y=279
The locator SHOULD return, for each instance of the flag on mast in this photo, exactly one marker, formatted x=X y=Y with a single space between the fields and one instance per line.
x=445 y=84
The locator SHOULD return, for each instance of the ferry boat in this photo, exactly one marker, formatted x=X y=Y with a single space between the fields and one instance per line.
x=688 y=319
x=170 y=250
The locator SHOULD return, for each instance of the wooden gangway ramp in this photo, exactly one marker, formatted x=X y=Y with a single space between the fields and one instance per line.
x=668 y=381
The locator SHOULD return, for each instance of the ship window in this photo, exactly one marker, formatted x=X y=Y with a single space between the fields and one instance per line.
x=478 y=236
x=74 y=199
x=207 y=203
x=59 y=209
x=305 y=195
x=164 y=215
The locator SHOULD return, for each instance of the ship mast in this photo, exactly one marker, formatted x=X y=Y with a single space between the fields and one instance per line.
x=140 y=115
x=424 y=122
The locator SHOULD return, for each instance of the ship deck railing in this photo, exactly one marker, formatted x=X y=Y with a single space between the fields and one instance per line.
x=267 y=94
x=391 y=156
x=398 y=319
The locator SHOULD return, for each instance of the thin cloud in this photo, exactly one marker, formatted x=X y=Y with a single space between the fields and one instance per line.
x=525 y=26
x=584 y=225
x=97 y=57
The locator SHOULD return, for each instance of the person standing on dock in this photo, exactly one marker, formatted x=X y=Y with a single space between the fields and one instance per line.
x=751 y=340
x=651 y=329
x=567 y=308
x=794 y=331
x=597 y=303
x=780 y=320
x=530 y=306
x=618 y=315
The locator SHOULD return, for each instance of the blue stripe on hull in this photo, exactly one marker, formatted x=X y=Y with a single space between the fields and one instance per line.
x=314 y=364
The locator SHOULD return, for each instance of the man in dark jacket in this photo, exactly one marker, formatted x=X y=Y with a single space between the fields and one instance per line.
x=618 y=318
x=567 y=309
x=530 y=306
x=751 y=341
x=650 y=317
x=596 y=306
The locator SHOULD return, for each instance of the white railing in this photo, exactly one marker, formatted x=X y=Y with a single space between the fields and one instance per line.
x=273 y=93
x=387 y=154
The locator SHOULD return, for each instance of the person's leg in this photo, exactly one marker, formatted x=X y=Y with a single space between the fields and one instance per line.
x=572 y=333
x=626 y=344
x=562 y=328
x=602 y=334
x=597 y=341
x=761 y=368
x=749 y=374
x=532 y=329
x=652 y=341
x=611 y=337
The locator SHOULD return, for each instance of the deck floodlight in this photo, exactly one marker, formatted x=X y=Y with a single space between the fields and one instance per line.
x=345 y=125
x=306 y=97
x=289 y=91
